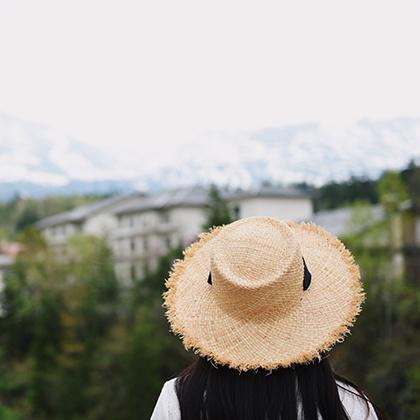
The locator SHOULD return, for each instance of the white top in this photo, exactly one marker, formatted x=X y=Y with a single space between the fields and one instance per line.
x=167 y=406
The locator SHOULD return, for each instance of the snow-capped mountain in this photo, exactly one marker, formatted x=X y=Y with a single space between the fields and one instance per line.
x=37 y=160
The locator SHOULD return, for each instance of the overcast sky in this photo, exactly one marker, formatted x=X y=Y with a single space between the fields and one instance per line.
x=151 y=72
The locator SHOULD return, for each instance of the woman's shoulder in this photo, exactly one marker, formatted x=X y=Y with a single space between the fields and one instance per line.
x=355 y=403
x=170 y=384
x=167 y=405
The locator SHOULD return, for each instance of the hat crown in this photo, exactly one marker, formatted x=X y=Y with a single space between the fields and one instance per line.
x=258 y=307
x=256 y=266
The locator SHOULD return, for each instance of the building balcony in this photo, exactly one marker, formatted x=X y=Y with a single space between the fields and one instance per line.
x=130 y=231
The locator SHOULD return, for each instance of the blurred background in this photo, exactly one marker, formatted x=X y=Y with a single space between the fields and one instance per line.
x=129 y=127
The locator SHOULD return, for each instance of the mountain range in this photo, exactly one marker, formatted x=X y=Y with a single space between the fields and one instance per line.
x=37 y=160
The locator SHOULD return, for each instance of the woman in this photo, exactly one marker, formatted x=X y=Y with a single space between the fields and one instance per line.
x=262 y=301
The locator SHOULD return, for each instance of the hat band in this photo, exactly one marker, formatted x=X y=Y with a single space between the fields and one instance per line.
x=307 y=276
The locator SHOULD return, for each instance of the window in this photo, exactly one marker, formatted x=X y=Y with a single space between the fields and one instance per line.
x=164 y=216
x=236 y=212
x=168 y=242
x=132 y=245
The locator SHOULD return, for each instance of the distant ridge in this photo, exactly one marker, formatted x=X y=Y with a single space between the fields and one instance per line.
x=36 y=160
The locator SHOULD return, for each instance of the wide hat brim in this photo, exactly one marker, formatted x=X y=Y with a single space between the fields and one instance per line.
x=324 y=315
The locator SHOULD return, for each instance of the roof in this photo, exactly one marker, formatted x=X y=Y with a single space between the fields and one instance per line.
x=10 y=248
x=197 y=196
x=81 y=213
x=192 y=196
x=267 y=192
x=339 y=221
x=8 y=252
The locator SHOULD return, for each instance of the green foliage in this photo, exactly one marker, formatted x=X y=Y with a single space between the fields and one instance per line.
x=390 y=186
x=411 y=179
x=56 y=311
x=218 y=212
x=8 y=414
x=18 y=213
x=383 y=352
x=74 y=345
x=140 y=352
x=338 y=194
x=392 y=191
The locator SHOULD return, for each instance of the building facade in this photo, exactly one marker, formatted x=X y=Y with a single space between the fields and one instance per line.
x=142 y=228
x=93 y=219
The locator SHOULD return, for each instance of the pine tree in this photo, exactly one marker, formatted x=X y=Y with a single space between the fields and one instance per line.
x=218 y=212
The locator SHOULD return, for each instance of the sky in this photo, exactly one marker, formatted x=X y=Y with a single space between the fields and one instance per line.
x=143 y=74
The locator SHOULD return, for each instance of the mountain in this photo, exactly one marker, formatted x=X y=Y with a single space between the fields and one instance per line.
x=37 y=160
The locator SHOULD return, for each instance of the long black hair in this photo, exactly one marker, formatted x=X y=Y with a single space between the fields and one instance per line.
x=209 y=392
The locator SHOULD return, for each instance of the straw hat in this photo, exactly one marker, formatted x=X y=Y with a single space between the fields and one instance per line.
x=263 y=293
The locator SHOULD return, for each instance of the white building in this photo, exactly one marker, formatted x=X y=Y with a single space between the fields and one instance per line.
x=141 y=228
x=282 y=203
x=97 y=219
x=148 y=227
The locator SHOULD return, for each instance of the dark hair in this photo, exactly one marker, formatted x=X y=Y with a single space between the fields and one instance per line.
x=209 y=392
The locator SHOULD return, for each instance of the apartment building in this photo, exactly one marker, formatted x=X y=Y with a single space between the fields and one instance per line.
x=139 y=228
x=148 y=227
x=97 y=219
